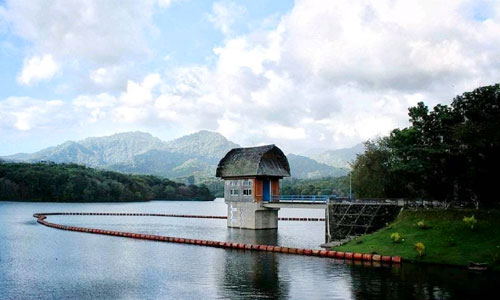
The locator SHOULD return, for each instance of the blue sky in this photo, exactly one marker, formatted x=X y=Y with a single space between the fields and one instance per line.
x=300 y=74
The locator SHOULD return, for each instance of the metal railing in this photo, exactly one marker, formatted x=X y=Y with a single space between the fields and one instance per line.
x=409 y=203
x=303 y=198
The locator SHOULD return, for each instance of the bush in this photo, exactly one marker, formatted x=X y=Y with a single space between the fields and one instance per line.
x=422 y=225
x=396 y=238
x=420 y=247
x=470 y=221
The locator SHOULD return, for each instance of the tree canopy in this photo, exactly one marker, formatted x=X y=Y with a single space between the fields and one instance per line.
x=320 y=186
x=46 y=181
x=448 y=153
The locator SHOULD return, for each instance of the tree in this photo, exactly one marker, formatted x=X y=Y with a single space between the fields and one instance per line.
x=370 y=171
x=46 y=181
x=448 y=153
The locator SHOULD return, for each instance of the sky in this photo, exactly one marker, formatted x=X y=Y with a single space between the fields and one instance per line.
x=301 y=74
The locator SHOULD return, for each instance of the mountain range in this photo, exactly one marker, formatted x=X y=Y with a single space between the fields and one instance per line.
x=196 y=154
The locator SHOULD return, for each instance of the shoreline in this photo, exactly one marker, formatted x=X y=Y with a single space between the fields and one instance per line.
x=110 y=202
x=446 y=238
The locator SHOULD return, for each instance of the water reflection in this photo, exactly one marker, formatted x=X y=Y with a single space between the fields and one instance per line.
x=258 y=237
x=253 y=275
x=419 y=282
x=37 y=262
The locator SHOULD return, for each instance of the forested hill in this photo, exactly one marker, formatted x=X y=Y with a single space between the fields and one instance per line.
x=74 y=183
x=195 y=155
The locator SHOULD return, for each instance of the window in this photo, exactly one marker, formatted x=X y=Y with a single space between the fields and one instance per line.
x=247 y=182
x=234 y=192
x=233 y=183
x=247 y=192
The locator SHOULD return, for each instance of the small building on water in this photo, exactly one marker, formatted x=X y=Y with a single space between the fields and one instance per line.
x=251 y=177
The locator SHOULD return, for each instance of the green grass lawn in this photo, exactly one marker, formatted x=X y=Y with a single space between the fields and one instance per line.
x=448 y=240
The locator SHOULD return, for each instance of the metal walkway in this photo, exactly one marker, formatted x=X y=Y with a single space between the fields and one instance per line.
x=300 y=201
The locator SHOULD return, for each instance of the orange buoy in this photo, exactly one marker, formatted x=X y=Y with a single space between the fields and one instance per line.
x=386 y=258
x=331 y=253
x=396 y=259
x=357 y=256
x=352 y=258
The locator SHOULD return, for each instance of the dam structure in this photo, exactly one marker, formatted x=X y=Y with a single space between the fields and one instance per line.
x=251 y=179
x=252 y=194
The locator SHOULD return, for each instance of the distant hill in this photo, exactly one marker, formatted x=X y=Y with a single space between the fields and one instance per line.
x=204 y=143
x=196 y=154
x=96 y=151
x=307 y=168
x=339 y=158
x=140 y=153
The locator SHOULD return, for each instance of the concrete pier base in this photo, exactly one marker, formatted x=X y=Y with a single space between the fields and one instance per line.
x=251 y=215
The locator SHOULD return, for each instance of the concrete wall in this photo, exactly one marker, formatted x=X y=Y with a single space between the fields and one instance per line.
x=251 y=215
x=239 y=185
x=246 y=211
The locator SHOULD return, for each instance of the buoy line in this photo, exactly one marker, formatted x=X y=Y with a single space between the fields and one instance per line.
x=348 y=256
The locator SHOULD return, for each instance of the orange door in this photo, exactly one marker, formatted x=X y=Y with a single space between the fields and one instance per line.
x=257 y=190
x=275 y=189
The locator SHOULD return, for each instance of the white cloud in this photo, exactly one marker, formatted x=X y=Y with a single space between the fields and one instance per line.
x=103 y=32
x=106 y=39
x=225 y=14
x=330 y=74
x=140 y=94
x=38 y=68
x=351 y=68
x=24 y=114
x=108 y=78
x=94 y=109
x=164 y=3
x=285 y=132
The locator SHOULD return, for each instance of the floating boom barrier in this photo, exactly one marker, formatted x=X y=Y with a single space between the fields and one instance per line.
x=348 y=256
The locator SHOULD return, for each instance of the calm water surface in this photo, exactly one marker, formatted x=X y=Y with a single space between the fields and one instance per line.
x=37 y=262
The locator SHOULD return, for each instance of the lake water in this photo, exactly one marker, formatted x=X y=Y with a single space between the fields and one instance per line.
x=37 y=262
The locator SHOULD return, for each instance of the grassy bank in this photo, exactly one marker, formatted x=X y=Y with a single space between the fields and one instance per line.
x=447 y=239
